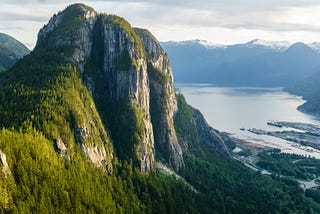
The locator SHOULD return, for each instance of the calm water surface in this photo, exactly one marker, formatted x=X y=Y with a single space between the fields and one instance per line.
x=231 y=108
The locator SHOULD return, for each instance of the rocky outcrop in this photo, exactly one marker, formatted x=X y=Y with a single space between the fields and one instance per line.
x=80 y=20
x=81 y=133
x=5 y=166
x=60 y=147
x=163 y=100
x=98 y=156
x=48 y=28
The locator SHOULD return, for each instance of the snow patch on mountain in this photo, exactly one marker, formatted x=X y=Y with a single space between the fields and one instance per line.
x=203 y=43
x=279 y=46
x=315 y=46
x=207 y=44
x=274 y=45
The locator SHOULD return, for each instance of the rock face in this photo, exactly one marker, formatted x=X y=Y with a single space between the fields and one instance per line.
x=3 y=161
x=60 y=147
x=98 y=156
x=125 y=84
x=70 y=33
x=163 y=100
x=80 y=36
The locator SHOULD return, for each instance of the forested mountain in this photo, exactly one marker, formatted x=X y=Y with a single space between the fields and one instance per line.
x=256 y=63
x=11 y=51
x=309 y=89
x=91 y=112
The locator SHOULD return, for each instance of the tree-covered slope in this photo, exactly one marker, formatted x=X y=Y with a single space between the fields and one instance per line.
x=309 y=89
x=16 y=47
x=228 y=186
x=11 y=51
x=86 y=115
x=34 y=179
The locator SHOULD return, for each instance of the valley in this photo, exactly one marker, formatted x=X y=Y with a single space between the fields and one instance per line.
x=255 y=129
x=236 y=109
x=256 y=63
x=245 y=113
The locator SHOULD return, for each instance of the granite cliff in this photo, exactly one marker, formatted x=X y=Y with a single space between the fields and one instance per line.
x=124 y=101
x=129 y=76
x=111 y=45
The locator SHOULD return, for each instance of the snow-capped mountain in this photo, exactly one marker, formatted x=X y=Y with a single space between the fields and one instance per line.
x=257 y=63
x=207 y=44
x=274 y=45
x=194 y=42
x=278 y=46
x=315 y=46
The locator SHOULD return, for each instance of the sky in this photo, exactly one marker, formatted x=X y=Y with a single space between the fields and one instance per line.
x=217 y=21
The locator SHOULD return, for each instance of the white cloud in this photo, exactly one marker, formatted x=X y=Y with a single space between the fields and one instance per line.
x=227 y=21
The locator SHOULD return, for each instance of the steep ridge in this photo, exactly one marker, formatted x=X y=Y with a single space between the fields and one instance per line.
x=208 y=135
x=193 y=131
x=7 y=59
x=16 y=47
x=11 y=51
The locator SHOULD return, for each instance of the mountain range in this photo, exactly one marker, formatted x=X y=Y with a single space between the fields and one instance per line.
x=91 y=123
x=11 y=51
x=256 y=63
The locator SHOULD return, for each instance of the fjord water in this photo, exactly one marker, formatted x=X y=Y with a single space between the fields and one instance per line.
x=231 y=108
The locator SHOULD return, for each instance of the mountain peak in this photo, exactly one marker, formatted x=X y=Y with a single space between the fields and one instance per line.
x=122 y=67
x=67 y=22
x=298 y=47
x=274 y=45
x=186 y=42
x=81 y=6
x=83 y=9
x=195 y=42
